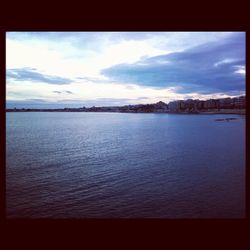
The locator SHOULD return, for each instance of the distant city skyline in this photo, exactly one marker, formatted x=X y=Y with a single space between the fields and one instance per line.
x=74 y=69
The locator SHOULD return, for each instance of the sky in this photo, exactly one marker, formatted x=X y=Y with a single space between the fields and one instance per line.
x=75 y=69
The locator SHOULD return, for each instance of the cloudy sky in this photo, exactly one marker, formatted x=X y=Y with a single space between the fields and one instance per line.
x=74 y=69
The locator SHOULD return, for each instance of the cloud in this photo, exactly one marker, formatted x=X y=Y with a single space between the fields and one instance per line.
x=94 y=79
x=63 y=103
x=123 y=65
x=240 y=69
x=207 y=68
x=37 y=100
x=96 y=41
x=64 y=91
x=28 y=103
x=30 y=74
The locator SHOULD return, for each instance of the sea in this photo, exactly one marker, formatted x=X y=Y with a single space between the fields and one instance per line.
x=66 y=165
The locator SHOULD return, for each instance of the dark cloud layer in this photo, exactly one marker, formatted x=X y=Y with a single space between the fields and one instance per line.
x=30 y=74
x=67 y=103
x=208 y=68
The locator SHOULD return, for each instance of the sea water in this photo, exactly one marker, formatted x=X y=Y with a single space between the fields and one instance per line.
x=124 y=165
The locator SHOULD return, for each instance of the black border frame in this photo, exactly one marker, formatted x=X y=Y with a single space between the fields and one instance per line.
x=179 y=232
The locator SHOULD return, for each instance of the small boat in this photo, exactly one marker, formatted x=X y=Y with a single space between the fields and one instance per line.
x=226 y=119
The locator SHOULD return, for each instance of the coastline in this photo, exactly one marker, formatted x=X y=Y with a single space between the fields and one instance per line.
x=212 y=106
x=228 y=112
x=222 y=112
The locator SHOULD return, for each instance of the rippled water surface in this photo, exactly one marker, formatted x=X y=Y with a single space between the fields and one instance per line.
x=117 y=165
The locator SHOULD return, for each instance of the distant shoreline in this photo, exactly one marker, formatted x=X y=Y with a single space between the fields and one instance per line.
x=212 y=106
x=236 y=111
